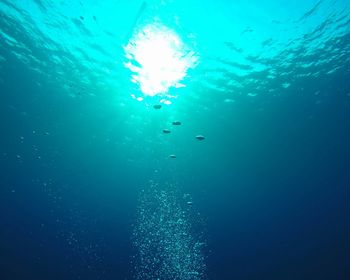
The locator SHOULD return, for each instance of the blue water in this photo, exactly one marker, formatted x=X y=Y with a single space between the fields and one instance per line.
x=87 y=187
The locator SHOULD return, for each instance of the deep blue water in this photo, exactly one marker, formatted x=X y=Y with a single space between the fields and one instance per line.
x=87 y=185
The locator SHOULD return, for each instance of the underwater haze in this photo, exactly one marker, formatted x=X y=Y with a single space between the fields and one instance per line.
x=175 y=140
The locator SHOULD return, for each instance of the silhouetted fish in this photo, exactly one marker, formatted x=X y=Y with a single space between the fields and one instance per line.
x=200 y=137
x=176 y=123
x=166 y=131
x=157 y=106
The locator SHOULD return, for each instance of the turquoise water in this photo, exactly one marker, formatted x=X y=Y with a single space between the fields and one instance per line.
x=93 y=188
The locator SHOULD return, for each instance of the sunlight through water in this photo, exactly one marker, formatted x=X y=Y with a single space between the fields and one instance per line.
x=159 y=60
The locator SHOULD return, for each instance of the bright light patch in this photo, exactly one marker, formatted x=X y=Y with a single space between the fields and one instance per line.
x=159 y=59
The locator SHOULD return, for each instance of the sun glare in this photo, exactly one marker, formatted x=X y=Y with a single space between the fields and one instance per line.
x=158 y=59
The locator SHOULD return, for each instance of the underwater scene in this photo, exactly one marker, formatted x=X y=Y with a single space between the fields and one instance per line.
x=175 y=140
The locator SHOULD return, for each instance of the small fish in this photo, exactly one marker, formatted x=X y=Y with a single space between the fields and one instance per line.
x=176 y=123
x=200 y=137
x=166 y=131
x=81 y=17
x=94 y=18
x=172 y=156
x=157 y=106
x=189 y=203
